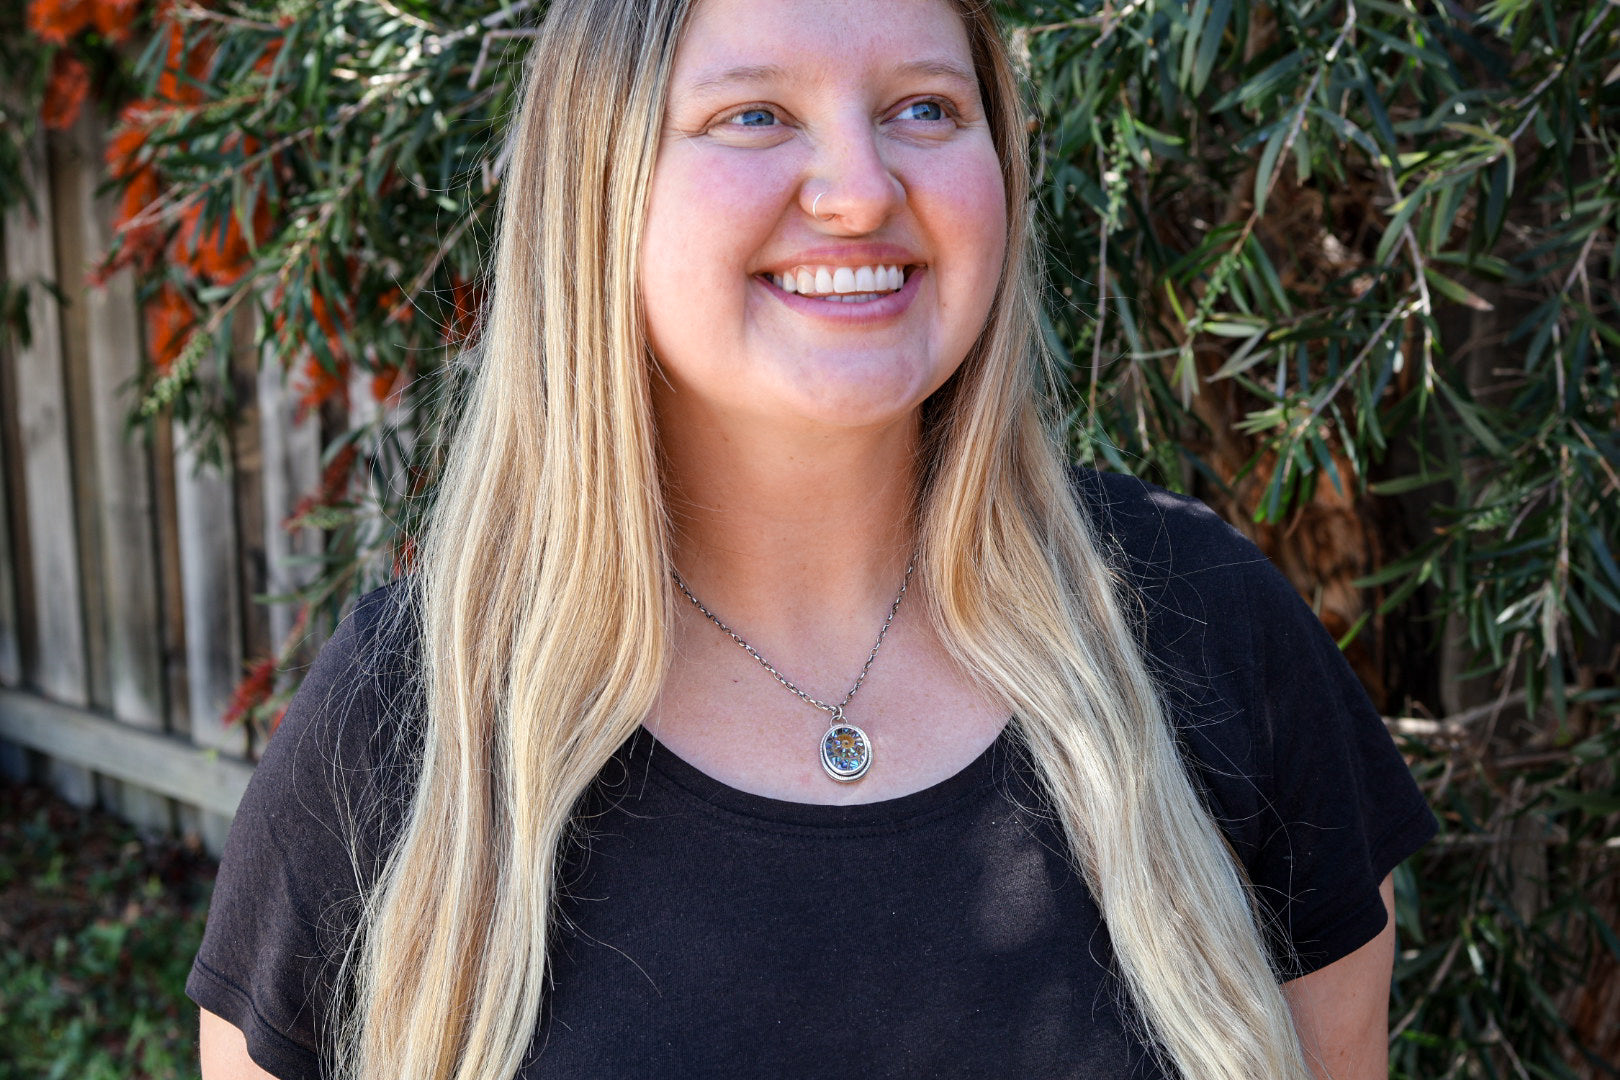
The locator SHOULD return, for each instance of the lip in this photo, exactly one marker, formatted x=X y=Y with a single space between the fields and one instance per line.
x=851 y=255
x=884 y=308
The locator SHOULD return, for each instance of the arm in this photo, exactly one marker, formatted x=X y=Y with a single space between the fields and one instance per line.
x=1342 y=1011
x=223 y=1051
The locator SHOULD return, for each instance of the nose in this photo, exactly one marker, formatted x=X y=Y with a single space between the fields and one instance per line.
x=850 y=189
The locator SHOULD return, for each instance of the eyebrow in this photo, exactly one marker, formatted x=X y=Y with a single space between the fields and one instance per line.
x=940 y=67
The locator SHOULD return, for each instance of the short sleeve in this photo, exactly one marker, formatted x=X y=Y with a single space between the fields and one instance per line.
x=1291 y=756
x=310 y=831
x=1343 y=808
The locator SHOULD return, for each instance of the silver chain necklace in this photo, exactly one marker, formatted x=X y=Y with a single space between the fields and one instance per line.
x=846 y=752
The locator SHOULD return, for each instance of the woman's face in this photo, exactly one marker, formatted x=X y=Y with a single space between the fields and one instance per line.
x=827 y=216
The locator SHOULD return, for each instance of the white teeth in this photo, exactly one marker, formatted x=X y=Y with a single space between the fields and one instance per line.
x=827 y=282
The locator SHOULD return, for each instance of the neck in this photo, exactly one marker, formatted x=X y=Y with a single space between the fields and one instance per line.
x=774 y=526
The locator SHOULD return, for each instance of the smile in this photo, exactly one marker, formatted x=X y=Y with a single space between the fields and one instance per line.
x=841 y=284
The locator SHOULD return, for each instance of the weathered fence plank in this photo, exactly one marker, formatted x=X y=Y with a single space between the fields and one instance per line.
x=13 y=758
x=124 y=501
x=60 y=667
x=72 y=179
x=213 y=607
x=11 y=665
x=292 y=468
x=164 y=763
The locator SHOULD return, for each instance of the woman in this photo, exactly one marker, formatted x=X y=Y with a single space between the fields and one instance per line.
x=759 y=372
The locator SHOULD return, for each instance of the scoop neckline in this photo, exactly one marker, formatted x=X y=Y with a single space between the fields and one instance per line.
x=910 y=806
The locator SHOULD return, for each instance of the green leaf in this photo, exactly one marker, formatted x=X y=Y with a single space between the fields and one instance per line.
x=1403 y=212
x=1456 y=291
x=1268 y=81
x=1277 y=135
x=1401 y=485
x=1209 y=43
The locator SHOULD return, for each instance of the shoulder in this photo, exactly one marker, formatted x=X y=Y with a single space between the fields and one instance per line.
x=1150 y=532
x=323 y=807
x=369 y=667
x=344 y=756
x=1198 y=589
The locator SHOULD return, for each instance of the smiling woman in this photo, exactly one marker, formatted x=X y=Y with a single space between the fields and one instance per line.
x=853 y=145
x=772 y=700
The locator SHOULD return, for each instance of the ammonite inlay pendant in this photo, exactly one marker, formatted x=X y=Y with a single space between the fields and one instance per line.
x=846 y=753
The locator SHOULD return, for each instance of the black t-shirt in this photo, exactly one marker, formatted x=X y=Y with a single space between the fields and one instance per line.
x=709 y=932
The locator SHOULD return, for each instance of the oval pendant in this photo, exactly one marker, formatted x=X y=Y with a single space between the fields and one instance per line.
x=846 y=753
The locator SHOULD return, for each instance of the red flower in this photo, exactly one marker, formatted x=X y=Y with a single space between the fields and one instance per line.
x=333 y=489
x=169 y=324
x=140 y=245
x=65 y=91
x=219 y=250
x=254 y=690
x=468 y=299
x=184 y=67
x=55 y=22
x=113 y=17
x=123 y=152
x=267 y=58
x=405 y=554
x=322 y=385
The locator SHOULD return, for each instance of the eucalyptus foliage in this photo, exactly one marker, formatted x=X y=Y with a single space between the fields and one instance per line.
x=1360 y=248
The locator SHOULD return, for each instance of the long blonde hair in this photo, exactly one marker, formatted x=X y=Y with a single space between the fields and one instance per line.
x=544 y=603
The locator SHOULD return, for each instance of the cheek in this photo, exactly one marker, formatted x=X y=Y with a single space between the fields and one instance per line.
x=983 y=216
x=707 y=215
x=967 y=215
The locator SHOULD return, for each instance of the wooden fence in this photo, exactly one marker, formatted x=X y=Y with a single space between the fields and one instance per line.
x=127 y=572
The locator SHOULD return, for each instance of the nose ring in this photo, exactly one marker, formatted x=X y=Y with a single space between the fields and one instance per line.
x=817 y=202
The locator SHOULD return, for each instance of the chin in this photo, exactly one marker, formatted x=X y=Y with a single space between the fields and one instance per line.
x=857 y=403
x=858 y=391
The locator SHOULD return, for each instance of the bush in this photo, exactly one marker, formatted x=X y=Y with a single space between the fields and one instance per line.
x=100 y=929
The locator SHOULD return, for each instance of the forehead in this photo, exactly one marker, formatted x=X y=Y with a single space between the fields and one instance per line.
x=753 y=41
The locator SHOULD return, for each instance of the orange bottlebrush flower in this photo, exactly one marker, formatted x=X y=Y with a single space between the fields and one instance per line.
x=387 y=384
x=55 y=22
x=138 y=246
x=123 y=151
x=321 y=386
x=322 y=312
x=65 y=91
x=219 y=250
x=405 y=556
x=254 y=689
x=184 y=67
x=335 y=477
x=333 y=489
x=141 y=244
x=275 y=721
x=329 y=323
x=113 y=18
x=267 y=59
x=468 y=298
x=169 y=323
x=395 y=309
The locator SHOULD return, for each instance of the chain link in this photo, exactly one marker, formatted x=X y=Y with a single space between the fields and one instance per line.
x=837 y=711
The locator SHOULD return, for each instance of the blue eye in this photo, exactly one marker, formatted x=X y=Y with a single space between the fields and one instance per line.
x=754 y=118
x=923 y=110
